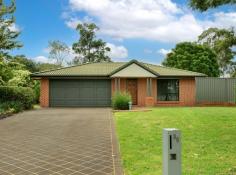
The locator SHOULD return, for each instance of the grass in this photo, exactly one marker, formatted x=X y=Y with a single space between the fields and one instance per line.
x=208 y=139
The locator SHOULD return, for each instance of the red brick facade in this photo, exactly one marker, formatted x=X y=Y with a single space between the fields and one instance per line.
x=142 y=91
x=44 y=93
x=186 y=93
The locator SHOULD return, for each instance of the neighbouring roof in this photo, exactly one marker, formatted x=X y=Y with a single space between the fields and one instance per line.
x=109 y=68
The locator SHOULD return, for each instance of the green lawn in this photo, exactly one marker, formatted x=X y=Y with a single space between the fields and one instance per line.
x=208 y=139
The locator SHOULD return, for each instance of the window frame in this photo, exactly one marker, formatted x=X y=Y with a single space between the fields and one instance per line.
x=167 y=93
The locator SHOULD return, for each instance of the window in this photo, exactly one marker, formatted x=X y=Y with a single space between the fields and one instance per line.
x=168 y=90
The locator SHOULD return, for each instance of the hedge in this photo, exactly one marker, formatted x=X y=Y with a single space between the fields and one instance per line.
x=19 y=95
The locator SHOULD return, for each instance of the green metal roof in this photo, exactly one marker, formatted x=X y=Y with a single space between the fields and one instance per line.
x=169 y=71
x=108 y=68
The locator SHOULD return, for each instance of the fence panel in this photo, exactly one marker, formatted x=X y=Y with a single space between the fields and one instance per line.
x=215 y=90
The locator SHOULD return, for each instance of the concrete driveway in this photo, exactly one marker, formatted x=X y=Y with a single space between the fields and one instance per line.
x=59 y=141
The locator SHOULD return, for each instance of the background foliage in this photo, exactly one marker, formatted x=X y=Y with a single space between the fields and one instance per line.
x=222 y=42
x=204 y=5
x=193 y=57
x=16 y=87
x=89 y=48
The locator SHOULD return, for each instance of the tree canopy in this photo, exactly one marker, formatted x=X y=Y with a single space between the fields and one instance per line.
x=89 y=48
x=193 y=57
x=8 y=36
x=46 y=66
x=28 y=64
x=7 y=41
x=58 y=52
x=222 y=42
x=204 y=5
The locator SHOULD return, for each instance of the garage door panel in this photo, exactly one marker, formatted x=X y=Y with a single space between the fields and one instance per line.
x=86 y=92
x=101 y=92
x=70 y=93
x=80 y=93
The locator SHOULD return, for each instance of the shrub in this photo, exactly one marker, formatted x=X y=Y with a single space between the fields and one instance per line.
x=23 y=96
x=121 y=100
x=11 y=106
x=36 y=89
x=20 y=78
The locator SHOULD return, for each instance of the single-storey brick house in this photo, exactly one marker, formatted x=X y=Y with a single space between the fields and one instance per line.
x=93 y=84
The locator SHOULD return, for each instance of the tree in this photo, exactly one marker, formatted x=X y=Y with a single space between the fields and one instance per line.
x=221 y=41
x=28 y=64
x=7 y=39
x=193 y=57
x=46 y=66
x=20 y=78
x=88 y=47
x=204 y=5
x=7 y=35
x=233 y=74
x=58 y=51
x=5 y=72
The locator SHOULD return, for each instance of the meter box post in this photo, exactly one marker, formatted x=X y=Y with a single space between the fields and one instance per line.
x=171 y=151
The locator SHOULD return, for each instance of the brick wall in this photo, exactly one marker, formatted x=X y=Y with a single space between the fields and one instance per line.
x=154 y=89
x=113 y=88
x=44 y=93
x=187 y=92
x=123 y=84
x=142 y=91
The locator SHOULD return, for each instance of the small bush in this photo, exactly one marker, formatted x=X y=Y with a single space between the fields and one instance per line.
x=17 y=96
x=11 y=107
x=121 y=100
x=36 y=89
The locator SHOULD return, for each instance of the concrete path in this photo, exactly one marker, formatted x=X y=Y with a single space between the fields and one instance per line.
x=59 y=141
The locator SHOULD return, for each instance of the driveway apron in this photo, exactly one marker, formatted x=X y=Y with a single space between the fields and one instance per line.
x=59 y=141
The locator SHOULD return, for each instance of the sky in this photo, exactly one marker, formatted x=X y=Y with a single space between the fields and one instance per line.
x=145 y=29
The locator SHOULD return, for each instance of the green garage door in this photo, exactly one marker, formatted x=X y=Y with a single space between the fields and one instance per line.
x=84 y=93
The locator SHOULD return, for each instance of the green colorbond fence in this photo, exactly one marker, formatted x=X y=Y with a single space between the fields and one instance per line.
x=215 y=90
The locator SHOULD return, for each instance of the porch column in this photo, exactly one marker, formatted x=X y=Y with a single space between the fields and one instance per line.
x=149 y=87
x=117 y=84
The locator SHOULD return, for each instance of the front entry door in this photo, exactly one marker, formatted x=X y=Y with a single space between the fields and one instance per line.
x=131 y=87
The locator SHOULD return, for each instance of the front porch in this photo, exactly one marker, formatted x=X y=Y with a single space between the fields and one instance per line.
x=149 y=91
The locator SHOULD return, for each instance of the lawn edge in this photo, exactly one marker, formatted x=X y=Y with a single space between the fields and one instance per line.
x=118 y=169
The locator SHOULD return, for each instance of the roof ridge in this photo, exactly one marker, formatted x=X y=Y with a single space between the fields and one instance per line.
x=174 y=68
